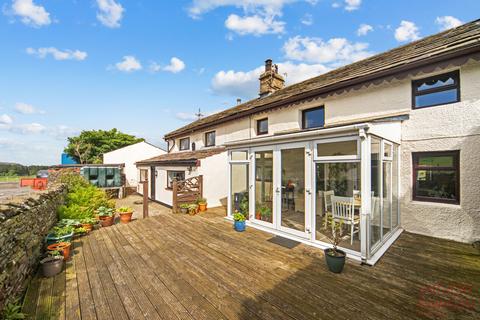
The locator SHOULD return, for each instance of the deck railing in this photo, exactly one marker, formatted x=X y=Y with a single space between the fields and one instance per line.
x=186 y=191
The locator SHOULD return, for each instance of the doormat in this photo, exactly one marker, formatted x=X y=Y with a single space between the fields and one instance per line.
x=284 y=242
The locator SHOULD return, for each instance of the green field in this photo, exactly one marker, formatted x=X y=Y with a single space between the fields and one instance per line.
x=13 y=178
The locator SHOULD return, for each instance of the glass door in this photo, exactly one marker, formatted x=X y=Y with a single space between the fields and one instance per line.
x=293 y=190
x=263 y=186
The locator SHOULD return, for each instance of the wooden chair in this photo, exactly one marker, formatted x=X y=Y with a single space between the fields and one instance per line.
x=343 y=209
x=327 y=197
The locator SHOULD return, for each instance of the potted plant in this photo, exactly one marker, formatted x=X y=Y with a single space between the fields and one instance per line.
x=63 y=247
x=258 y=211
x=52 y=264
x=265 y=213
x=87 y=223
x=334 y=257
x=192 y=209
x=60 y=234
x=202 y=204
x=79 y=231
x=106 y=216
x=184 y=208
x=239 y=221
x=125 y=214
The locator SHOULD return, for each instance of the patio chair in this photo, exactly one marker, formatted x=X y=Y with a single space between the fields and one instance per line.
x=327 y=196
x=343 y=209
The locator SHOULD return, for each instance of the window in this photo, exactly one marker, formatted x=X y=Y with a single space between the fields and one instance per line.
x=313 y=118
x=436 y=176
x=210 y=139
x=143 y=175
x=184 y=144
x=436 y=90
x=337 y=148
x=239 y=156
x=174 y=175
x=262 y=126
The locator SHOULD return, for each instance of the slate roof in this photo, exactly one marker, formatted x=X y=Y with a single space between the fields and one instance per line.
x=182 y=157
x=449 y=44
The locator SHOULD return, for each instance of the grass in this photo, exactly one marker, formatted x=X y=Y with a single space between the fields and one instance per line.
x=13 y=178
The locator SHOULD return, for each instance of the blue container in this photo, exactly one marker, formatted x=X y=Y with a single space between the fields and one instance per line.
x=51 y=239
x=239 y=226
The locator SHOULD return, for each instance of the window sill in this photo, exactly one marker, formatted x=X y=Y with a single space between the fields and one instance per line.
x=436 y=204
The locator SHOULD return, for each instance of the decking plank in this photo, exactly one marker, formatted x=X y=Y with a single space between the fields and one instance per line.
x=31 y=296
x=87 y=304
x=72 y=300
x=58 y=296
x=44 y=302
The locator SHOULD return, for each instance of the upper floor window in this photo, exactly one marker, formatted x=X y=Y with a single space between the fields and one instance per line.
x=184 y=144
x=262 y=126
x=436 y=176
x=436 y=90
x=313 y=118
x=210 y=139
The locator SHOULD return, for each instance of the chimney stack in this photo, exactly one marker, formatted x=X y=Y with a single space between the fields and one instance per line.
x=239 y=101
x=270 y=80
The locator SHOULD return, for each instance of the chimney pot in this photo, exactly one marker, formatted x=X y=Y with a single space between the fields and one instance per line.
x=239 y=100
x=268 y=65
x=270 y=80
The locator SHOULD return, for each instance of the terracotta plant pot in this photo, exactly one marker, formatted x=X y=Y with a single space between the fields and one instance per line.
x=202 y=207
x=51 y=266
x=258 y=216
x=64 y=247
x=87 y=226
x=125 y=217
x=107 y=221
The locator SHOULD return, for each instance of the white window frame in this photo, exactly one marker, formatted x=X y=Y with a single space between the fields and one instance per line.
x=244 y=162
x=356 y=157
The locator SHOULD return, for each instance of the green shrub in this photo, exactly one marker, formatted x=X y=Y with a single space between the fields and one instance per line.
x=13 y=311
x=72 y=180
x=82 y=201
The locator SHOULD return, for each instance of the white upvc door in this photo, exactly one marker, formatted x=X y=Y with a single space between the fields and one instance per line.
x=293 y=188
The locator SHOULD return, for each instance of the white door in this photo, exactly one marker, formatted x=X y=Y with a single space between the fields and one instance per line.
x=262 y=207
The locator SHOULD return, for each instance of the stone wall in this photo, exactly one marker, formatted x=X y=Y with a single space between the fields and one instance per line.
x=24 y=222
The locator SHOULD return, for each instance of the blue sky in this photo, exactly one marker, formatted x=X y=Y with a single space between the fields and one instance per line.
x=145 y=67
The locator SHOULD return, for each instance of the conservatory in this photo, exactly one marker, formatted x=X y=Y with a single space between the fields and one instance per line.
x=304 y=184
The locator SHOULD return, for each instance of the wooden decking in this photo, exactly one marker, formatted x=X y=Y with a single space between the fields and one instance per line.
x=182 y=267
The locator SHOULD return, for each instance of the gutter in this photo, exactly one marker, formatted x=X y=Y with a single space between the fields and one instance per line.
x=298 y=135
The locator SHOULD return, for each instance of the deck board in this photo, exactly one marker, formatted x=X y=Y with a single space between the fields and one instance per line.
x=174 y=266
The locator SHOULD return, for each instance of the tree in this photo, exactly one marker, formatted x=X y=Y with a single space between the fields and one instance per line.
x=90 y=146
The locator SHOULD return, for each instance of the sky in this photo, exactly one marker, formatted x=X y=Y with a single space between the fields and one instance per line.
x=145 y=67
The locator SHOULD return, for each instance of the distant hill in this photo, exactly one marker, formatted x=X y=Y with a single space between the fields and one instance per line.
x=16 y=169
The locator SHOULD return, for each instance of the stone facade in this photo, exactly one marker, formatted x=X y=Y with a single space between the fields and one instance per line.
x=24 y=222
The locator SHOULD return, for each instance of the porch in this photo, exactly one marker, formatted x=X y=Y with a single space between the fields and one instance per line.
x=183 y=267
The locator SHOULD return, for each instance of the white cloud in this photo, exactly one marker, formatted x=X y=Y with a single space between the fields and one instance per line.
x=28 y=128
x=351 y=5
x=25 y=108
x=255 y=24
x=363 y=29
x=128 y=64
x=268 y=7
x=176 y=65
x=448 y=22
x=58 y=54
x=5 y=119
x=307 y=19
x=110 y=13
x=245 y=83
x=30 y=13
x=335 y=52
x=407 y=31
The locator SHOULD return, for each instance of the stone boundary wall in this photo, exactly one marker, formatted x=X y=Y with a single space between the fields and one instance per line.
x=24 y=222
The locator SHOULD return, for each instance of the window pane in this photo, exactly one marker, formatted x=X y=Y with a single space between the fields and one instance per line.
x=395 y=187
x=264 y=186
x=262 y=126
x=436 y=184
x=184 y=144
x=239 y=155
x=240 y=188
x=174 y=175
x=342 y=148
x=436 y=161
x=437 y=82
x=376 y=176
x=387 y=150
x=210 y=139
x=435 y=98
x=313 y=118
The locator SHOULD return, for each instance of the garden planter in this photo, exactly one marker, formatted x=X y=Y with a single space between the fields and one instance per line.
x=107 y=221
x=335 y=263
x=258 y=216
x=64 y=247
x=126 y=217
x=202 y=207
x=184 y=210
x=52 y=266
x=51 y=239
x=239 y=226
x=87 y=226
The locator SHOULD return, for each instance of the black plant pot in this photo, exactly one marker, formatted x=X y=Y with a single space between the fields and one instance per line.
x=335 y=263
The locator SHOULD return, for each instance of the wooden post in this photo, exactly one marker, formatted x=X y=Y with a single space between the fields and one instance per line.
x=145 y=198
x=174 y=196
x=200 y=185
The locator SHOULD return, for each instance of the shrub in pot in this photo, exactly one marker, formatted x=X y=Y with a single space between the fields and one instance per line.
x=125 y=214
x=60 y=234
x=52 y=264
x=202 y=204
x=239 y=221
x=334 y=257
x=88 y=223
x=106 y=216
x=192 y=209
x=184 y=208
x=63 y=247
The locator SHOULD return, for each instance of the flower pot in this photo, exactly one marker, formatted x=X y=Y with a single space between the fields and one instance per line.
x=87 y=226
x=335 y=263
x=239 y=226
x=184 y=210
x=202 y=207
x=107 y=221
x=51 y=239
x=64 y=247
x=51 y=266
x=258 y=216
x=125 y=217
